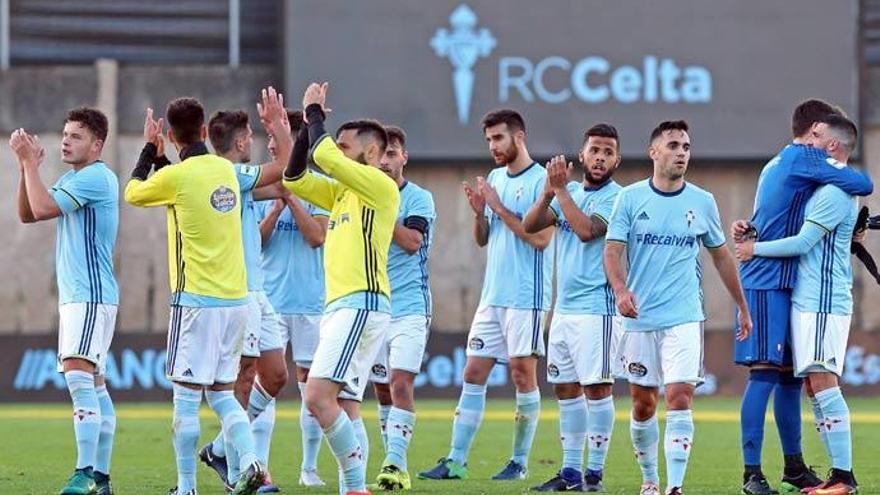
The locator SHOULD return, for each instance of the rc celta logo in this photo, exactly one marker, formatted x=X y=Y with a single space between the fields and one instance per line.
x=463 y=46
x=555 y=80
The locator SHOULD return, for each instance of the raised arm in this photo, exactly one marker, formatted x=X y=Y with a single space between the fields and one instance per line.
x=24 y=208
x=539 y=240
x=30 y=154
x=819 y=169
x=145 y=190
x=540 y=215
x=478 y=205
x=313 y=227
x=267 y=224
x=274 y=119
x=586 y=227
x=318 y=190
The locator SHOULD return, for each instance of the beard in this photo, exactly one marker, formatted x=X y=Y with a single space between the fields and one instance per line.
x=594 y=179
x=507 y=156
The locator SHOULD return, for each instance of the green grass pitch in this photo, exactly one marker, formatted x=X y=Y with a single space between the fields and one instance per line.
x=38 y=452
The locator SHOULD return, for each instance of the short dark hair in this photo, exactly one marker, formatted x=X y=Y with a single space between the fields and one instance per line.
x=507 y=116
x=92 y=119
x=396 y=135
x=844 y=127
x=295 y=117
x=366 y=128
x=602 y=130
x=808 y=113
x=185 y=117
x=668 y=125
x=224 y=127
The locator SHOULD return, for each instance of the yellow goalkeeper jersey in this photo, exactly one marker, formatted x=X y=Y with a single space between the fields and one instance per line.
x=363 y=204
x=205 y=249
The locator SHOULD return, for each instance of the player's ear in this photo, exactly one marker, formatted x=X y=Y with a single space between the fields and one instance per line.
x=203 y=133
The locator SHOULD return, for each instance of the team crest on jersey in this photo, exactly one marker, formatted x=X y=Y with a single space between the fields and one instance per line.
x=690 y=217
x=519 y=192
x=223 y=199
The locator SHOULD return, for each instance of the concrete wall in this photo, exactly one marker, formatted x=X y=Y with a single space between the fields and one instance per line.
x=28 y=295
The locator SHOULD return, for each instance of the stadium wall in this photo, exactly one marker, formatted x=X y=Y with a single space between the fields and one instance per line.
x=36 y=98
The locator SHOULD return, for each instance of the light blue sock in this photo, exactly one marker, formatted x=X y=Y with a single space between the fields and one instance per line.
x=218 y=446
x=645 y=439
x=186 y=435
x=86 y=416
x=468 y=416
x=236 y=426
x=262 y=426
x=837 y=427
x=347 y=450
x=573 y=431
x=819 y=418
x=678 y=444
x=233 y=461
x=108 y=430
x=383 y=424
x=600 y=425
x=528 y=412
x=360 y=431
x=401 y=424
x=311 y=434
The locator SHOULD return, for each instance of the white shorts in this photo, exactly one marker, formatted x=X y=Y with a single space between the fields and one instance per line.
x=662 y=357
x=204 y=344
x=504 y=333
x=581 y=348
x=85 y=331
x=301 y=331
x=263 y=328
x=403 y=348
x=347 y=347
x=819 y=342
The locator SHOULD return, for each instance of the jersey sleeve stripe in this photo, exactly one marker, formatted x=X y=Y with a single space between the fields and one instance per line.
x=71 y=196
x=600 y=217
x=826 y=229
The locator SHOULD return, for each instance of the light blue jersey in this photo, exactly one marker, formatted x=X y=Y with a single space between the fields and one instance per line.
x=408 y=273
x=663 y=233
x=581 y=285
x=89 y=203
x=824 y=283
x=517 y=275
x=248 y=176
x=293 y=270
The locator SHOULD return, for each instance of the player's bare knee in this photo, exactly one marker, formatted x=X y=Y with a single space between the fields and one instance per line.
x=402 y=392
x=477 y=370
x=565 y=391
x=598 y=391
x=524 y=378
x=679 y=396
